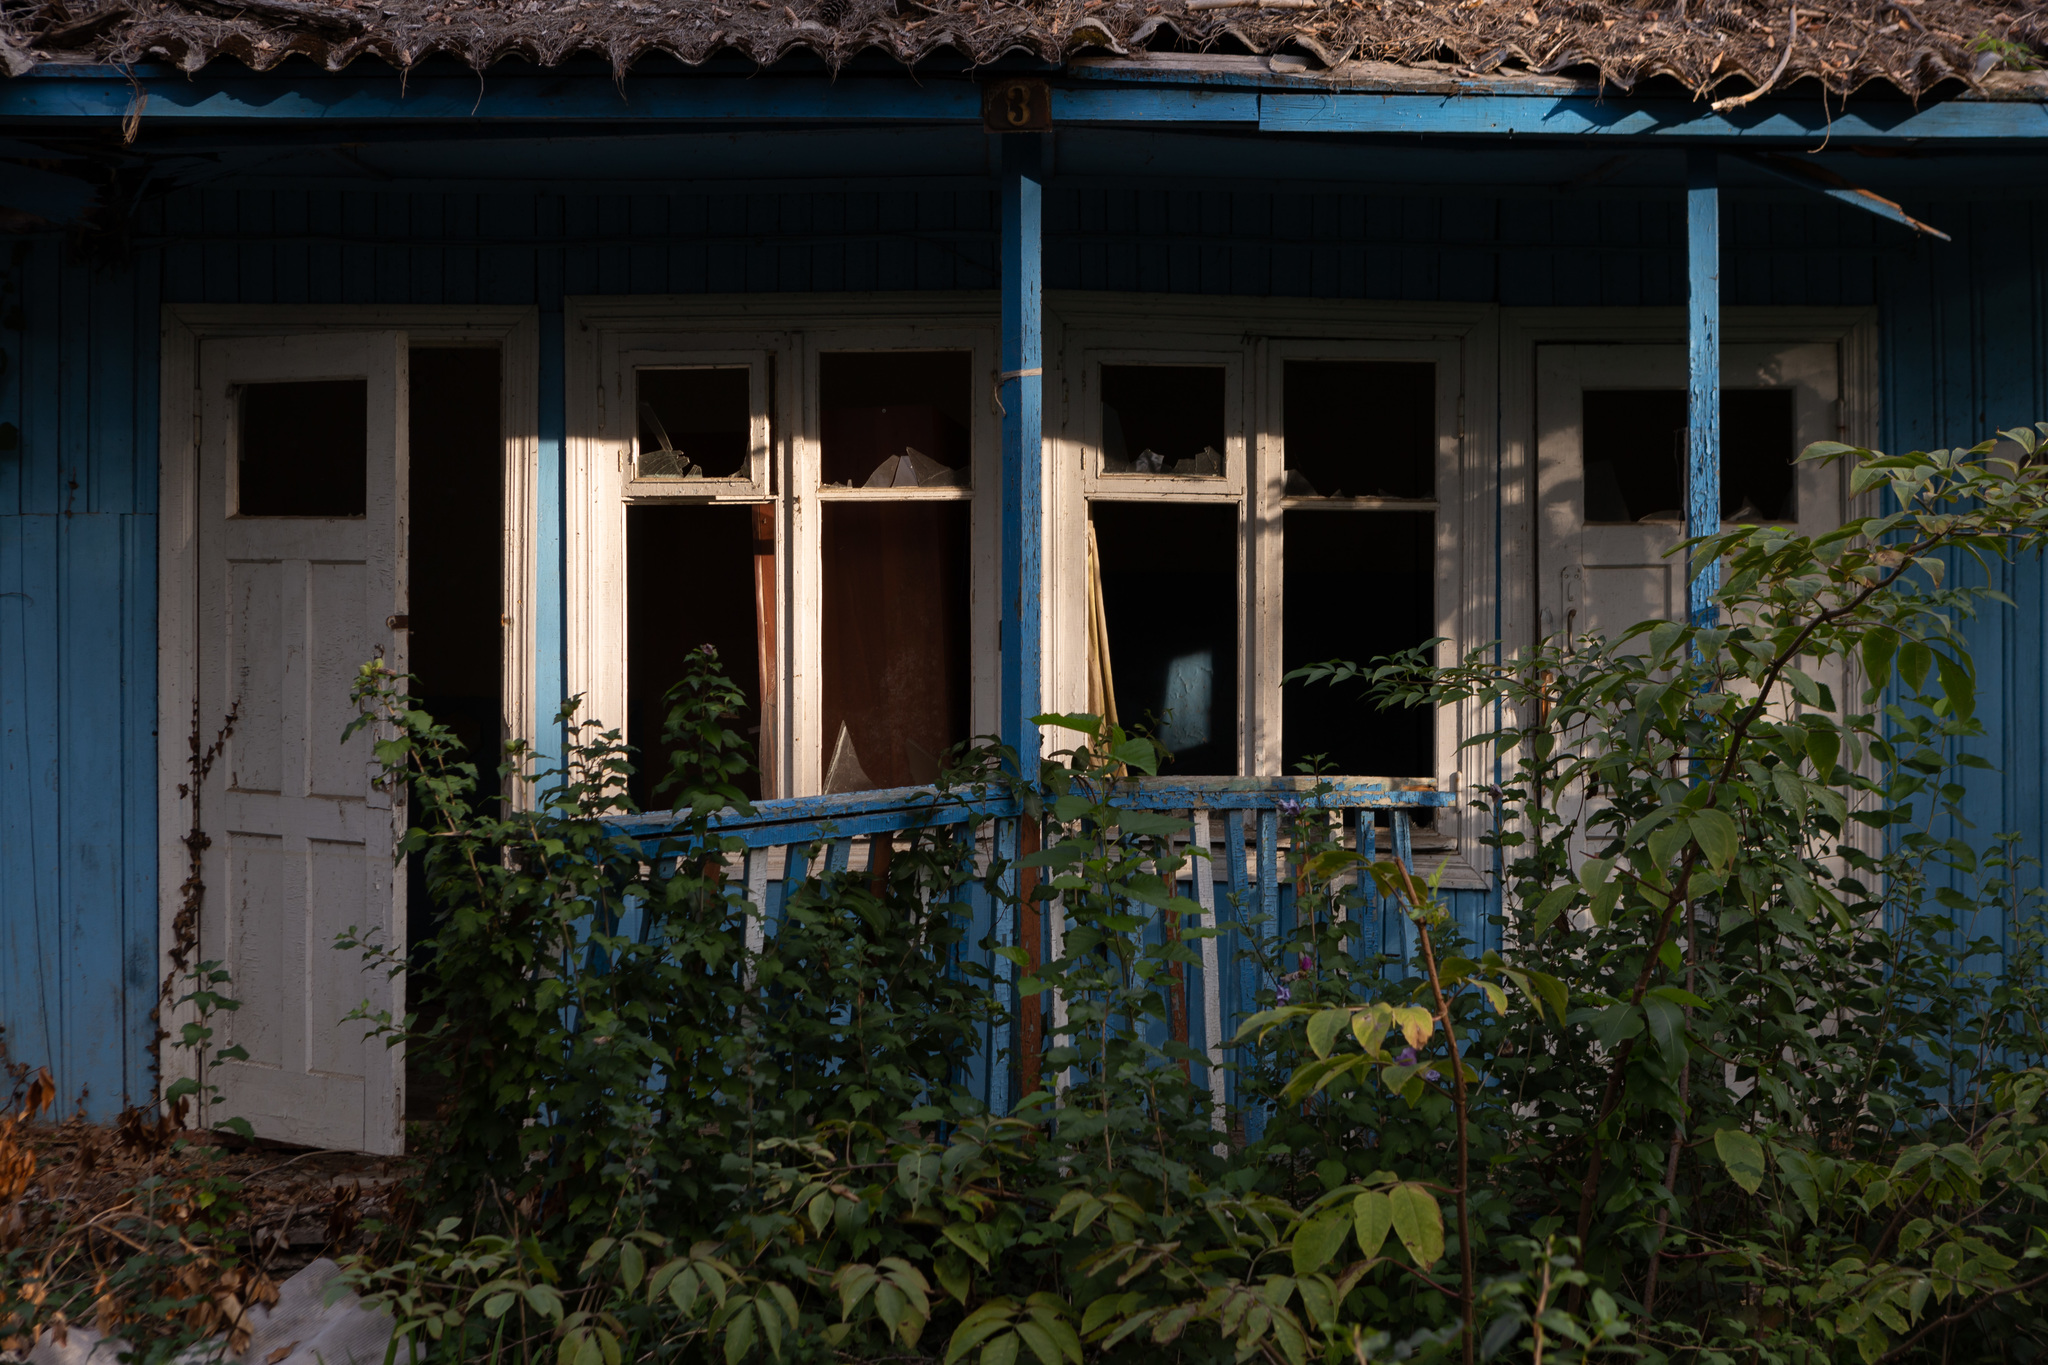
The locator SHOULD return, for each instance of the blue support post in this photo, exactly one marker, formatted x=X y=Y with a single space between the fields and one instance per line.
x=1019 y=390
x=1703 y=381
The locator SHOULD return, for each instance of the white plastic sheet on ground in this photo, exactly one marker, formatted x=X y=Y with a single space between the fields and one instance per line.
x=301 y=1330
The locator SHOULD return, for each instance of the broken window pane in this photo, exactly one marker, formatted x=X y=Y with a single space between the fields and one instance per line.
x=303 y=449
x=1164 y=419
x=693 y=579
x=895 y=641
x=1168 y=576
x=895 y=419
x=694 y=423
x=1360 y=428
x=1633 y=444
x=1358 y=585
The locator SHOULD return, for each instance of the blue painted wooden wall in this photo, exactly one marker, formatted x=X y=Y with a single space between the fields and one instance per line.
x=78 y=672
x=1964 y=353
x=1964 y=332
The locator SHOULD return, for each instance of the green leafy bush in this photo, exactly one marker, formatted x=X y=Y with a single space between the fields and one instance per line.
x=1746 y=1079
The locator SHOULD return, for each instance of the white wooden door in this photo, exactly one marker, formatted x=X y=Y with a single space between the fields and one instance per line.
x=1602 y=569
x=301 y=575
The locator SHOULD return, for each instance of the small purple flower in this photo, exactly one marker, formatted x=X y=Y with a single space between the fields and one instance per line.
x=1407 y=1057
x=1287 y=808
x=1281 y=994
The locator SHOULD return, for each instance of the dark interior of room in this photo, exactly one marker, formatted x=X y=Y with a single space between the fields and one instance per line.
x=1170 y=599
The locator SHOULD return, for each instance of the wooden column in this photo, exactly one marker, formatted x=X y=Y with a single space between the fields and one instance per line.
x=1703 y=386
x=1020 y=388
x=1019 y=394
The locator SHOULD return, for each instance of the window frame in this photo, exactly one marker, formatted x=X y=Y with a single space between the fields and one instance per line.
x=790 y=333
x=1460 y=340
x=1164 y=487
x=628 y=354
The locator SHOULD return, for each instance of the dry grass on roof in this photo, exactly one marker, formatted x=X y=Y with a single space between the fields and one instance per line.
x=1711 y=47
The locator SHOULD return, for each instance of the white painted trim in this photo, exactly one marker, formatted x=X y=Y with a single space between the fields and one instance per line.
x=514 y=330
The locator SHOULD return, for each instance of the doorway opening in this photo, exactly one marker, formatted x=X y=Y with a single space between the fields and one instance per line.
x=456 y=642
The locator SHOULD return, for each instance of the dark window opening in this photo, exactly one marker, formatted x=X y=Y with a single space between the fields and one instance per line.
x=693 y=579
x=455 y=555
x=303 y=449
x=1164 y=419
x=1381 y=568
x=694 y=423
x=1169 y=600
x=896 y=419
x=1633 y=444
x=1360 y=429
x=895 y=636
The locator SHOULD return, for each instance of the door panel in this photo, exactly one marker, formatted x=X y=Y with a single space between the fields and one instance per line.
x=1606 y=571
x=294 y=596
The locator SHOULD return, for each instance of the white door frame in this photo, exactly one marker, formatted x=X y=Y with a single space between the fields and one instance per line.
x=516 y=333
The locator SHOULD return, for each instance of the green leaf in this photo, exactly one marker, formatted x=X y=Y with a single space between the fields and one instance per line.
x=632 y=1265
x=1957 y=685
x=1373 y=1216
x=1325 y=1027
x=1667 y=1026
x=962 y=1235
x=1000 y=1350
x=1914 y=660
x=1743 y=1155
x=739 y=1335
x=1823 y=746
x=1040 y=1341
x=1320 y=1238
x=1717 y=837
x=1877 y=649
x=1418 y=1222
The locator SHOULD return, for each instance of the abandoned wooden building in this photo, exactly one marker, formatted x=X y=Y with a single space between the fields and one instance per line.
x=940 y=363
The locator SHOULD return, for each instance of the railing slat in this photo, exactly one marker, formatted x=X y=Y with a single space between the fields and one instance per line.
x=757 y=900
x=1404 y=854
x=1212 y=977
x=1004 y=928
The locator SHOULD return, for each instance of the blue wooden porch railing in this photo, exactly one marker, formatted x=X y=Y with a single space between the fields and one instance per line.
x=1240 y=888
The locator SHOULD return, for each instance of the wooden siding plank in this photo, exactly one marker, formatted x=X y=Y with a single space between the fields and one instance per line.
x=32 y=967
x=138 y=794
x=17 y=341
x=91 y=1035
x=110 y=391
x=74 y=388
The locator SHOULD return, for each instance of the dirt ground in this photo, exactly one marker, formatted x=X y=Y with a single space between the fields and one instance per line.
x=236 y=1217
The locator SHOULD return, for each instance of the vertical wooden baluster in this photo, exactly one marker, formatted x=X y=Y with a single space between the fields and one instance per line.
x=1056 y=946
x=1030 y=928
x=839 y=855
x=1372 y=935
x=1176 y=981
x=1212 y=982
x=757 y=907
x=1003 y=920
x=1269 y=874
x=1247 y=976
x=1404 y=854
x=881 y=849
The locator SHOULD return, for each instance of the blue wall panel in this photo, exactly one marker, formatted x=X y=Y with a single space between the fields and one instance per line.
x=78 y=676
x=1964 y=353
